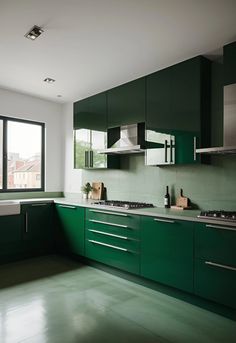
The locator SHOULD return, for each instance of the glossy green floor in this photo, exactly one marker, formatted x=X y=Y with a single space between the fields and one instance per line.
x=53 y=299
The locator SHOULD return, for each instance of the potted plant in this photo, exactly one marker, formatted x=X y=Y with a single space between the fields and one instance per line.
x=86 y=189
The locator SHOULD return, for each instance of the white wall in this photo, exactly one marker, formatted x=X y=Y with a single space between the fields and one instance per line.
x=22 y=106
x=73 y=177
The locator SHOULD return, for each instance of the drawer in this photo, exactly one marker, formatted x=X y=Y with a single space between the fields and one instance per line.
x=215 y=242
x=113 y=239
x=112 y=228
x=216 y=282
x=113 y=256
x=119 y=218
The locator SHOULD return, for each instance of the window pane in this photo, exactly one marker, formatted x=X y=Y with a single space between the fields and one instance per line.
x=1 y=151
x=24 y=155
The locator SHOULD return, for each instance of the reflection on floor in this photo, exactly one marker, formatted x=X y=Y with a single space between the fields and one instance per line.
x=55 y=300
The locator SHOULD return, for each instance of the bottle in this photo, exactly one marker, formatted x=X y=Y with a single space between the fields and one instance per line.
x=167 y=198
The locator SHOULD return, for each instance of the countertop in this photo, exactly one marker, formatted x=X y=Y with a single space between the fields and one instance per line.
x=189 y=215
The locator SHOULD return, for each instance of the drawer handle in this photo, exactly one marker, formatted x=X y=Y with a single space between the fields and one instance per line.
x=67 y=206
x=107 y=245
x=107 y=223
x=221 y=227
x=26 y=222
x=164 y=220
x=36 y=205
x=107 y=212
x=220 y=265
x=108 y=234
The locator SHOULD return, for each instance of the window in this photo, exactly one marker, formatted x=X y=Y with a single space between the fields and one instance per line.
x=21 y=155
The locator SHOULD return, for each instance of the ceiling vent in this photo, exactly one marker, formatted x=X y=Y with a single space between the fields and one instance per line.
x=34 y=32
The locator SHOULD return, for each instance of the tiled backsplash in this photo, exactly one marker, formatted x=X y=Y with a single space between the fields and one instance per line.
x=208 y=186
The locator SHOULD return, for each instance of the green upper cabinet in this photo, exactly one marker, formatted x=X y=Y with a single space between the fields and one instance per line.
x=178 y=105
x=230 y=63
x=126 y=103
x=38 y=227
x=91 y=113
x=90 y=133
x=167 y=252
x=70 y=228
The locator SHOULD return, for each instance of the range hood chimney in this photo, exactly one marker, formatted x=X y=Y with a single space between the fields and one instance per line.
x=229 y=146
x=130 y=140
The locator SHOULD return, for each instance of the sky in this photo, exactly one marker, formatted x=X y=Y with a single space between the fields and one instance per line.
x=24 y=139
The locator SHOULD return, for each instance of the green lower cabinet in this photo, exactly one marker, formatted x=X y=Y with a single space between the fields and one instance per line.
x=215 y=264
x=215 y=282
x=38 y=233
x=114 y=254
x=167 y=252
x=70 y=220
x=11 y=244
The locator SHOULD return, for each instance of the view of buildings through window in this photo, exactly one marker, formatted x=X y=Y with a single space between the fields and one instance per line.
x=24 y=155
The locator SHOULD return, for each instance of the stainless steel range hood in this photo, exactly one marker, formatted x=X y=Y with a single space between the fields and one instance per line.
x=130 y=140
x=229 y=146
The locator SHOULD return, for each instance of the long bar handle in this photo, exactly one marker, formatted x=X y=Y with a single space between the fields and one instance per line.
x=107 y=223
x=86 y=164
x=107 y=245
x=164 y=220
x=36 y=205
x=223 y=266
x=68 y=206
x=107 y=212
x=165 y=147
x=108 y=234
x=91 y=159
x=221 y=227
x=26 y=222
x=171 y=151
x=194 y=148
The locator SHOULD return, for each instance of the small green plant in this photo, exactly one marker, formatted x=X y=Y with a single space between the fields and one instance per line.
x=86 y=188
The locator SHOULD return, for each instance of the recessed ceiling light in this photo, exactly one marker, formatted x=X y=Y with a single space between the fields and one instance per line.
x=49 y=80
x=34 y=32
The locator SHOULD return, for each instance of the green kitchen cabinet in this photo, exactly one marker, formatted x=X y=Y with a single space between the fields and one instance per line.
x=38 y=233
x=178 y=112
x=113 y=238
x=215 y=262
x=90 y=134
x=167 y=252
x=126 y=103
x=215 y=282
x=70 y=231
x=230 y=63
x=11 y=234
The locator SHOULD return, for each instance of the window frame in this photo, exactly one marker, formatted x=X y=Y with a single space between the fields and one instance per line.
x=4 y=188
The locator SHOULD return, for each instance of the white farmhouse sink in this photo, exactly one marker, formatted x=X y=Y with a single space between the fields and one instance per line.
x=9 y=207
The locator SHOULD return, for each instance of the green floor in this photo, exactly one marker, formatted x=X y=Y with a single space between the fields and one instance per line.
x=54 y=299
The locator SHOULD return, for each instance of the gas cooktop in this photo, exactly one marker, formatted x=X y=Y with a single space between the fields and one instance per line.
x=219 y=215
x=123 y=204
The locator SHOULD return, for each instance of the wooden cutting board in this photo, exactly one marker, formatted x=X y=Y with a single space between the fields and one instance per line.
x=97 y=191
x=182 y=201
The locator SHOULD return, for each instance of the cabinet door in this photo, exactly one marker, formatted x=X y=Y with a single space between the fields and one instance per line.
x=159 y=100
x=70 y=228
x=216 y=282
x=98 y=142
x=38 y=228
x=126 y=104
x=229 y=63
x=82 y=148
x=167 y=252
x=91 y=113
x=11 y=229
x=186 y=95
x=216 y=243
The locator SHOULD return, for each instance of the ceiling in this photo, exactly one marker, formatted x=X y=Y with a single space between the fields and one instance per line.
x=92 y=45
